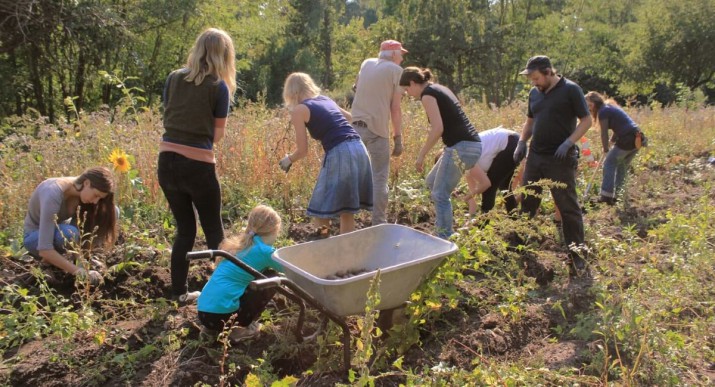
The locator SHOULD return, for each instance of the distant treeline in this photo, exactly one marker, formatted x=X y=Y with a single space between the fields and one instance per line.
x=58 y=56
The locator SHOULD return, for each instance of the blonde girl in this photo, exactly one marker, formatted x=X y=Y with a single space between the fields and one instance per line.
x=196 y=104
x=227 y=295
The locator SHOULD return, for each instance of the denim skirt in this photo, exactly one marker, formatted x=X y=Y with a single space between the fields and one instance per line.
x=344 y=183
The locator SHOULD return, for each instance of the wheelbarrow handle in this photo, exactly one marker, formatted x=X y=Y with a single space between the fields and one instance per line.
x=265 y=283
x=203 y=254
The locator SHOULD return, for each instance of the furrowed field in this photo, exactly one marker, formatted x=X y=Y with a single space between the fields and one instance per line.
x=493 y=314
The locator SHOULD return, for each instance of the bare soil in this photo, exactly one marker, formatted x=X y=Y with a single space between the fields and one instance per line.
x=475 y=331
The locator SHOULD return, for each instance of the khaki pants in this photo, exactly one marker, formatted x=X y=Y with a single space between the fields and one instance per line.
x=379 y=150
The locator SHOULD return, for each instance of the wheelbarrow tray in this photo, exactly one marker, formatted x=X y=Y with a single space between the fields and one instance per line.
x=404 y=256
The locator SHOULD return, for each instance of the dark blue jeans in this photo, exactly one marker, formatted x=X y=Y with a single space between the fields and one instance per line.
x=189 y=184
x=562 y=171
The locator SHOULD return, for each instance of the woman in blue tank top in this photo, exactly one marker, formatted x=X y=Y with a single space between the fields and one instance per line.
x=626 y=140
x=344 y=185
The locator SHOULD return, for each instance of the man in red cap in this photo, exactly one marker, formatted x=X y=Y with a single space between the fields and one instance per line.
x=377 y=101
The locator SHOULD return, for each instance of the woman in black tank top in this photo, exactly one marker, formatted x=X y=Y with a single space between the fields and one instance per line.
x=462 y=145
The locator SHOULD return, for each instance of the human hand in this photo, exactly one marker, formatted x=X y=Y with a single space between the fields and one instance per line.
x=520 y=151
x=467 y=196
x=419 y=164
x=92 y=276
x=285 y=164
x=397 y=150
x=97 y=265
x=563 y=149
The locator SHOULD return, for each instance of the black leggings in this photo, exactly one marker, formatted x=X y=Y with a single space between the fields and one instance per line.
x=189 y=184
x=500 y=174
x=252 y=304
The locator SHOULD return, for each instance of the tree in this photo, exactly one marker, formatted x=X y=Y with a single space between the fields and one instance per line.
x=671 y=42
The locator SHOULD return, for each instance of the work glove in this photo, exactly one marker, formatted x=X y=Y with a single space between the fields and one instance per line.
x=285 y=164
x=564 y=148
x=397 y=150
x=93 y=276
x=520 y=151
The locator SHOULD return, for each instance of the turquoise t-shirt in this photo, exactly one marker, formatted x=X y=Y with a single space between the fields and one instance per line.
x=228 y=282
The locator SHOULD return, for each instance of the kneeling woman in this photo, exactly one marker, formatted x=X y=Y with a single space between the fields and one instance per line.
x=62 y=209
x=461 y=140
x=344 y=185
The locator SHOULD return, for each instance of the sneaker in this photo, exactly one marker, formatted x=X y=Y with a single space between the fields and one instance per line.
x=239 y=333
x=189 y=297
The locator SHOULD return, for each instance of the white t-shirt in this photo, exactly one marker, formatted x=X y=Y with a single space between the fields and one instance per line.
x=493 y=141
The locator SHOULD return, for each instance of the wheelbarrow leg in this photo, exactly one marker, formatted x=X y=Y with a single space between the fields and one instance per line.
x=297 y=291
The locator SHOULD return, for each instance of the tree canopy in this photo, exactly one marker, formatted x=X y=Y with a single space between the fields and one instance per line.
x=58 y=55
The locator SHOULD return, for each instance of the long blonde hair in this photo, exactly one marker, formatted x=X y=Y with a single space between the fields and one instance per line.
x=213 y=54
x=298 y=87
x=262 y=221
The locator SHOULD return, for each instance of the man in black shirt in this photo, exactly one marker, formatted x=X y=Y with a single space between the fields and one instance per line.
x=555 y=106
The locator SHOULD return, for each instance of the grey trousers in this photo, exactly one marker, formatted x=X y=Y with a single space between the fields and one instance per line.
x=379 y=150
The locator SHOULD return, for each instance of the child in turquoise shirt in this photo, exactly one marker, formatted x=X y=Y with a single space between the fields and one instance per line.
x=227 y=294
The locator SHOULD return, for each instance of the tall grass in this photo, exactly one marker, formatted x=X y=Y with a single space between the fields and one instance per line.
x=651 y=322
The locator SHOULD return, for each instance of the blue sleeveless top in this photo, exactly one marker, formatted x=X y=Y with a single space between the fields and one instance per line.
x=618 y=120
x=327 y=123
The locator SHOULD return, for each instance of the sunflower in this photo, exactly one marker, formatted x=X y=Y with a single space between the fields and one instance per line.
x=120 y=160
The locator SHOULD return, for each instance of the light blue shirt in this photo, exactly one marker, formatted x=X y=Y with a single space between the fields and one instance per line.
x=221 y=295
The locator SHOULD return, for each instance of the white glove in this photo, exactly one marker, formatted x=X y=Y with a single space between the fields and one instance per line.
x=285 y=164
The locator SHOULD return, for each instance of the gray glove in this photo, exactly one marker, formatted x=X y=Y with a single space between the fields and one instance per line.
x=520 y=151
x=285 y=164
x=564 y=149
x=92 y=276
x=397 y=150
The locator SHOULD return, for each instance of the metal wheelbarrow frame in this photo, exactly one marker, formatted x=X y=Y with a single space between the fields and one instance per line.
x=404 y=256
x=296 y=294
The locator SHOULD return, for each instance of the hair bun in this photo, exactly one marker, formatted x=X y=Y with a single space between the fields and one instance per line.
x=427 y=74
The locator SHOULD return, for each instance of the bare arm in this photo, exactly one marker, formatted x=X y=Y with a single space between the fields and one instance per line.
x=356 y=82
x=299 y=116
x=396 y=114
x=348 y=116
x=437 y=128
x=526 y=131
x=56 y=259
x=219 y=129
x=583 y=124
x=478 y=181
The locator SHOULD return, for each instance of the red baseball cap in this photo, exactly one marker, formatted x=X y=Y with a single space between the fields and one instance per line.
x=390 y=45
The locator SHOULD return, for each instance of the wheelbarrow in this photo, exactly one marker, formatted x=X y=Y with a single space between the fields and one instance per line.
x=404 y=256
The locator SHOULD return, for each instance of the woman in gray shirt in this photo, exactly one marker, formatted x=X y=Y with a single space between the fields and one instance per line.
x=67 y=210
